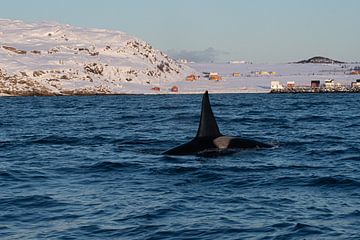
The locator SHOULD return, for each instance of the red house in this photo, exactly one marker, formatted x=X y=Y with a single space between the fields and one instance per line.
x=174 y=89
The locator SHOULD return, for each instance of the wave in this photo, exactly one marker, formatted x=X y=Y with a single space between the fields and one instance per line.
x=22 y=175
x=136 y=141
x=177 y=170
x=265 y=168
x=32 y=201
x=111 y=166
x=85 y=140
x=312 y=118
x=99 y=167
x=332 y=181
x=6 y=176
x=5 y=143
x=302 y=231
x=353 y=125
x=306 y=229
x=189 y=174
x=353 y=214
x=336 y=181
x=57 y=140
x=354 y=157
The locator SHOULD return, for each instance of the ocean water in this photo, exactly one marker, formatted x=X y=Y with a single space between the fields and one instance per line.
x=92 y=168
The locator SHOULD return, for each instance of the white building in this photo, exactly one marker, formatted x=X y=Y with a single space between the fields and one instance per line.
x=329 y=83
x=290 y=84
x=184 y=61
x=356 y=84
x=237 y=62
x=276 y=85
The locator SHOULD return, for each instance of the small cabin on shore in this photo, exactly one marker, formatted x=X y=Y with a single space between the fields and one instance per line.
x=276 y=85
x=266 y=73
x=157 y=89
x=215 y=76
x=192 y=78
x=356 y=84
x=315 y=84
x=329 y=83
x=174 y=89
x=290 y=84
x=355 y=72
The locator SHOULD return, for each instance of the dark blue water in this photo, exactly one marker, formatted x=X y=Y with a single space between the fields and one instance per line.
x=91 y=168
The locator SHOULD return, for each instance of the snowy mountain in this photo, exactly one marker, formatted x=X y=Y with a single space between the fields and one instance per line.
x=55 y=59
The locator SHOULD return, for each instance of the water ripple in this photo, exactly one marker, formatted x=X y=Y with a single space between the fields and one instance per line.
x=91 y=167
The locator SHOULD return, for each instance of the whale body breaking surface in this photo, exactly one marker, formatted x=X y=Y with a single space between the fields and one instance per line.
x=209 y=139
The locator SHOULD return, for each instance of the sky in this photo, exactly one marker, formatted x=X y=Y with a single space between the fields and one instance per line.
x=259 y=31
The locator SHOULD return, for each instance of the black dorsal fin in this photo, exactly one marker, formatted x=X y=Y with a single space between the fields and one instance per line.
x=207 y=126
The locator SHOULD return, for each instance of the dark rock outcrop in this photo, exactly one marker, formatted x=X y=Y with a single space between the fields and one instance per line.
x=319 y=59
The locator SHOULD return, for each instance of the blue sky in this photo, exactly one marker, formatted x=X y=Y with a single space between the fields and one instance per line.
x=219 y=30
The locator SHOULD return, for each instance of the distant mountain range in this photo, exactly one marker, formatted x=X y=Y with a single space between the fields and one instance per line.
x=319 y=59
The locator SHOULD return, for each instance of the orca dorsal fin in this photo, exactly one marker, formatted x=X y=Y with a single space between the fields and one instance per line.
x=208 y=126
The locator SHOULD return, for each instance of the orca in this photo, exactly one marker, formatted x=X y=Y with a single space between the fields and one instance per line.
x=209 y=139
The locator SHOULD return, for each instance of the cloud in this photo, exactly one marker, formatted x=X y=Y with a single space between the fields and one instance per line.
x=208 y=55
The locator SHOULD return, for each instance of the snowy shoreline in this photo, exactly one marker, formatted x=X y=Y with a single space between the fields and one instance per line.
x=139 y=94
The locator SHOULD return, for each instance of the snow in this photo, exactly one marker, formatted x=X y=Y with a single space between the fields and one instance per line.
x=63 y=58
x=56 y=59
x=251 y=82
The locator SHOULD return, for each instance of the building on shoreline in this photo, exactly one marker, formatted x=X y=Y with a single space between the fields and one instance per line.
x=290 y=84
x=266 y=73
x=276 y=86
x=214 y=76
x=356 y=84
x=192 y=77
x=329 y=86
x=315 y=84
x=329 y=83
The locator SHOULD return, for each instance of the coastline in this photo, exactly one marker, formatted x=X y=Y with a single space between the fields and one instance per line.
x=186 y=93
x=233 y=79
x=139 y=94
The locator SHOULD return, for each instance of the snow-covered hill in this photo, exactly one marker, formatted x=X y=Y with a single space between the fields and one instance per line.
x=55 y=59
